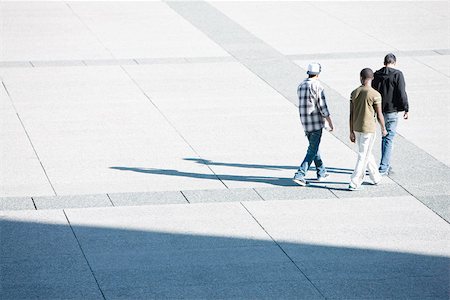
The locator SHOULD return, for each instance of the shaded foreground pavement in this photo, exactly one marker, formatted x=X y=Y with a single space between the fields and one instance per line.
x=358 y=248
x=147 y=151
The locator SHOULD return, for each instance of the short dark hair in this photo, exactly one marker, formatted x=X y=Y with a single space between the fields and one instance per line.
x=366 y=73
x=390 y=59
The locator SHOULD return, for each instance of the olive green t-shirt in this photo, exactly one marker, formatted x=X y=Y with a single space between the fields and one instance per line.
x=363 y=99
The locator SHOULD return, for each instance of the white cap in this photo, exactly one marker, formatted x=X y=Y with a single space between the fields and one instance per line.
x=314 y=69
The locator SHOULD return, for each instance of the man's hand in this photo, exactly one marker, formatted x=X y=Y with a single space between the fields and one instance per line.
x=406 y=115
x=352 y=136
x=384 y=132
x=330 y=123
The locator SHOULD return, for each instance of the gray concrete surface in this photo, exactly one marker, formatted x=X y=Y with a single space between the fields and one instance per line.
x=184 y=103
x=390 y=247
x=16 y=203
x=148 y=198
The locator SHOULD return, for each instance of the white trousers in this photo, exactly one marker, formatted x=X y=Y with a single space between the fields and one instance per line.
x=366 y=160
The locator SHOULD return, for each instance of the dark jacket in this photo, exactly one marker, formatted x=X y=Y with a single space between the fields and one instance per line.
x=391 y=85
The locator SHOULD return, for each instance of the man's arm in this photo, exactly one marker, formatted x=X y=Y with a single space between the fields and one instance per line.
x=352 y=132
x=403 y=96
x=380 y=118
x=330 y=123
x=323 y=108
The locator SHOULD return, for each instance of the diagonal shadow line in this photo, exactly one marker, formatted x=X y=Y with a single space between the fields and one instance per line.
x=276 y=181
x=263 y=166
x=279 y=181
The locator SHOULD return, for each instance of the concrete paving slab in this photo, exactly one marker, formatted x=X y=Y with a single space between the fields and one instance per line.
x=109 y=62
x=238 y=129
x=46 y=31
x=126 y=199
x=40 y=258
x=391 y=288
x=294 y=193
x=210 y=59
x=443 y=51
x=57 y=63
x=164 y=60
x=223 y=195
x=144 y=29
x=386 y=188
x=279 y=34
x=201 y=285
x=366 y=240
x=100 y=134
x=22 y=173
x=396 y=33
x=16 y=203
x=182 y=250
x=207 y=218
x=407 y=225
x=440 y=204
x=61 y=202
x=15 y=64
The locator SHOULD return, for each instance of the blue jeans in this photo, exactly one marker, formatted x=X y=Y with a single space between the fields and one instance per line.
x=312 y=154
x=390 y=120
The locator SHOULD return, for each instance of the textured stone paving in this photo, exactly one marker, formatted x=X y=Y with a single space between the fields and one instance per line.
x=147 y=151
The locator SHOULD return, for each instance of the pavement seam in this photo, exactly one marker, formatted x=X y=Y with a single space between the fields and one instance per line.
x=185 y=197
x=112 y=203
x=29 y=138
x=334 y=193
x=281 y=248
x=84 y=255
x=254 y=189
x=90 y=30
x=34 y=204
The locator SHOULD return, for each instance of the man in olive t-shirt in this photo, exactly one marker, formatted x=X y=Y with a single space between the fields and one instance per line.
x=365 y=104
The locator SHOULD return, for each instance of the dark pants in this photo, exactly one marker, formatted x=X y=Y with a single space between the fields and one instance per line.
x=312 y=154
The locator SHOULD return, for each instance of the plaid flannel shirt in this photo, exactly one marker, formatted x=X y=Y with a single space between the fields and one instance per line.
x=312 y=105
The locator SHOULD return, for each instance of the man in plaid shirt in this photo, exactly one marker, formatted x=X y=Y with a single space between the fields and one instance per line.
x=313 y=112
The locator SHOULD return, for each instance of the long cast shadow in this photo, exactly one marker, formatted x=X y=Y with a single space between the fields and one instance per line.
x=169 y=172
x=50 y=261
x=260 y=166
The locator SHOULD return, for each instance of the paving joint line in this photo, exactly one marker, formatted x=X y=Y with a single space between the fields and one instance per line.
x=258 y=194
x=334 y=194
x=112 y=203
x=89 y=29
x=84 y=255
x=29 y=138
x=34 y=203
x=285 y=253
x=185 y=197
x=416 y=197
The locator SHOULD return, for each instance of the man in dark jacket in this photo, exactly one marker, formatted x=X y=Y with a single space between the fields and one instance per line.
x=390 y=83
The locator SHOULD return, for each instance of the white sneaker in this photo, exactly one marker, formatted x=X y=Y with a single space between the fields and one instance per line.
x=323 y=178
x=377 y=182
x=353 y=188
x=299 y=180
